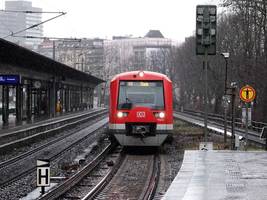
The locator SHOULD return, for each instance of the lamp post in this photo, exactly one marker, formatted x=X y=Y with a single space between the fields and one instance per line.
x=226 y=56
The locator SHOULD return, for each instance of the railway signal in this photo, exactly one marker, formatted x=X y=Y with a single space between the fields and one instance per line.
x=206 y=29
x=206 y=45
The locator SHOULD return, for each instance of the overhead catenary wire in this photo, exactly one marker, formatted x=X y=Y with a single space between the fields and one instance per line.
x=34 y=26
x=30 y=12
x=48 y=38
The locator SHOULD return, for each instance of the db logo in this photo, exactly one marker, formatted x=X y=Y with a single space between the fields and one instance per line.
x=140 y=114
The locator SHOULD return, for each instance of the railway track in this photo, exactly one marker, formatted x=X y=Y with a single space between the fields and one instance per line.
x=16 y=139
x=68 y=188
x=18 y=167
x=137 y=178
x=39 y=148
x=217 y=127
x=131 y=177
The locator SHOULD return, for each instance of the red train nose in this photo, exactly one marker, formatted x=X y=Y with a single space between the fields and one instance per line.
x=141 y=114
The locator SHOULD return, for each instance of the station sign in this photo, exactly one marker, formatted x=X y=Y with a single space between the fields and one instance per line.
x=43 y=173
x=9 y=79
x=247 y=94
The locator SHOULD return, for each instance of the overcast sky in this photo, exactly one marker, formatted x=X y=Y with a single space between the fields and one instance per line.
x=106 y=18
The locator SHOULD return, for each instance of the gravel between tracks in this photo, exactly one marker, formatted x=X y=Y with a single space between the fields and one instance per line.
x=25 y=185
x=130 y=179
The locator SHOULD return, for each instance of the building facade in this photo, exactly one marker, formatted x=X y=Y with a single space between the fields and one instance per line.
x=144 y=53
x=11 y=22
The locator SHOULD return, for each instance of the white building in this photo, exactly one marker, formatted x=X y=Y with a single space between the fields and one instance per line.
x=144 y=53
x=11 y=22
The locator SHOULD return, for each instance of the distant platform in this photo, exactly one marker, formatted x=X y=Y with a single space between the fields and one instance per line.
x=220 y=175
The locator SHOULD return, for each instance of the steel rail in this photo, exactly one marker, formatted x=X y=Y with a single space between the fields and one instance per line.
x=40 y=135
x=255 y=133
x=253 y=137
x=6 y=182
x=154 y=179
x=77 y=177
x=258 y=126
x=101 y=185
x=42 y=126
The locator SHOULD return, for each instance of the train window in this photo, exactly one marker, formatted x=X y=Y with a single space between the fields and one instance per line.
x=141 y=93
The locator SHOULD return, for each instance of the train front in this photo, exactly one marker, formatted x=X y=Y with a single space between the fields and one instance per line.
x=140 y=108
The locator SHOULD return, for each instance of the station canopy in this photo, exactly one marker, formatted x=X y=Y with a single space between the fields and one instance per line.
x=11 y=53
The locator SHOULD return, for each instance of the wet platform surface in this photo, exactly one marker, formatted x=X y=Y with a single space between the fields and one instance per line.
x=220 y=175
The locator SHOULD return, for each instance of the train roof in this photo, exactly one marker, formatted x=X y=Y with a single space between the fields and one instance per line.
x=145 y=75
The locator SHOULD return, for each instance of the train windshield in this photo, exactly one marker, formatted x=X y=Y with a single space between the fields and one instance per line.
x=141 y=93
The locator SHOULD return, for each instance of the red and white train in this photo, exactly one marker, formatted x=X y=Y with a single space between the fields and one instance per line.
x=141 y=112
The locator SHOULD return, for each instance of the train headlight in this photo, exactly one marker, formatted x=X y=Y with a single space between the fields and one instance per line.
x=141 y=74
x=161 y=115
x=119 y=114
x=122 y=114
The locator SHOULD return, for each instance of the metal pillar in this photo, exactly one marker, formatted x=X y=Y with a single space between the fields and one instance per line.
x=52 y=95
x=233 y=119
x=91 y=94
x=226 y=72
x=81 y=98
x=38 y=97
x=104 y=93
x=46 y=100
x=71 y=100
x=29 y=102
x=5 y=104
x=19 y=102
x=92 y=98
x=206 y=95
x=49 y=102
x=78 y=96
x=78 y=99
x=246 y=146
x=66 y=99
x=225 y=125
x=225 y=93
x=61 y=93
x=87 y=98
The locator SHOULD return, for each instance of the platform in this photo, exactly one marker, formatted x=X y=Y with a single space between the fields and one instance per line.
x=12 y=126
x=220 y=175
